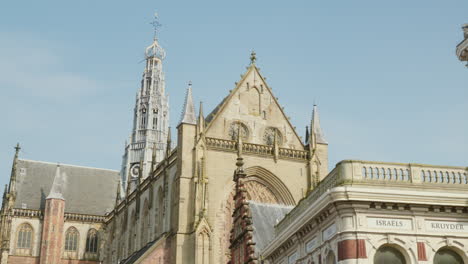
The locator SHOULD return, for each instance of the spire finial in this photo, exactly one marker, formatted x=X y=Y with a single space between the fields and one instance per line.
x=17 y=149
x=156 y=25
x=253 y=57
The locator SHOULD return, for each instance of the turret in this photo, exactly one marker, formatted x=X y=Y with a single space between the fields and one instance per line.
x=52 y=228
x=317 y=146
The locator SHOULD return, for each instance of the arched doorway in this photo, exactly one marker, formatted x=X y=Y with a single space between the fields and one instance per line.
x=387 y=254
x=447 y=256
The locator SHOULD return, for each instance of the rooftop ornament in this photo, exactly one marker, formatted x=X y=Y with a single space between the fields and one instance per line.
x=253 y=57
x=155 y=50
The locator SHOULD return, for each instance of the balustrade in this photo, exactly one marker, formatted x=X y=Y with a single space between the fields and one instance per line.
x=264 y=150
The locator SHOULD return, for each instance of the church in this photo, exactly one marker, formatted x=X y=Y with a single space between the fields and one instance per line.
x=238 y=185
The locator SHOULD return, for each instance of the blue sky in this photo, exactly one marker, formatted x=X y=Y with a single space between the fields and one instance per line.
x=384 y=73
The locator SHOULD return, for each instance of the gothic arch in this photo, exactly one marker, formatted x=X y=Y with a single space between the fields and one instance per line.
x=272 y=182
x=262 y=186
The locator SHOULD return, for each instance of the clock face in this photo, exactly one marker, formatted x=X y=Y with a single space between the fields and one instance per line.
x=234 y=130
x=269 y=136
x=135 y=170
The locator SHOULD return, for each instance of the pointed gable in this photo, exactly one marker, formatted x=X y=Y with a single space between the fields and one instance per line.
x=253 y=104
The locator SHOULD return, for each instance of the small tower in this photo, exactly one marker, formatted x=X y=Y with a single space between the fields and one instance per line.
x=188 y=113
x=147 y=142
x=52 y=228
x=317 y=146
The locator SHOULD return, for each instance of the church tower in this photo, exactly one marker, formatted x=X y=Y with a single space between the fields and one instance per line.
x=146 y=145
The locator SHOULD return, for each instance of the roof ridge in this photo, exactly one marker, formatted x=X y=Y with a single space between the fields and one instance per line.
x=69 y=165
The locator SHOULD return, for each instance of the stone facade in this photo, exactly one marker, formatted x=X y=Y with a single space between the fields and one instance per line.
x=362 y=208
x=175 y=205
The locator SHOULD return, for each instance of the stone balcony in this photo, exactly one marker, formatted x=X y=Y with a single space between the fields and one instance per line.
x=462 y=48
x=383 y=175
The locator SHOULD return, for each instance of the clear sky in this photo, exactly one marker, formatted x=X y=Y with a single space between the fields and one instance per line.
x=384 y=73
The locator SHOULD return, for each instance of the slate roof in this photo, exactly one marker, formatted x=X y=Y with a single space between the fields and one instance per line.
x=137 y=254
x=264 y=219
x=86 y=191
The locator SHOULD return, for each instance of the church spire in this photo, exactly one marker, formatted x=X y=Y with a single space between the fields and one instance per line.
x=12 y=185
x=316 y=133
x=147 y=141
x=188 y=113
x=58 y=187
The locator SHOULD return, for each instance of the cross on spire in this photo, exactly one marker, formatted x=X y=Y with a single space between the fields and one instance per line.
x=156 y=25
x=253 y=57
x=17 y=148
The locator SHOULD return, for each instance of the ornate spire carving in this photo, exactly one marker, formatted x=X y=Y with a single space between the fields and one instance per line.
x=253 y=57
x=147 y=141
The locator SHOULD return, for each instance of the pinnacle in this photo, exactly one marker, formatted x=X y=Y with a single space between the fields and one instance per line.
x=188 y=112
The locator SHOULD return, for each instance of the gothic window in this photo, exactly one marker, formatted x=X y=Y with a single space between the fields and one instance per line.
x=389 y=255
x=264 y=115
x=447 y=256
x=269 y=136
x=155 y=122
x=234 y=130
x=71 y=239
x=24 y=240
x=92 y=241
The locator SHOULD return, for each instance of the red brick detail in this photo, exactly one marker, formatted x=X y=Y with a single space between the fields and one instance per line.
x=351 y=249
x=422 y=252
x=52 y=231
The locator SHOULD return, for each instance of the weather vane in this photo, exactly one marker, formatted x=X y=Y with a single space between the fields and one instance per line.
x=156 y=25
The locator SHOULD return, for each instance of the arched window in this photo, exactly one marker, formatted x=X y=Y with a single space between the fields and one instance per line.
x=71 y=239
x=92 y=241
x=447 y=256
x=25 y=236
x=389 y=255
